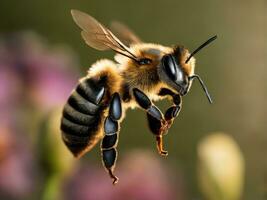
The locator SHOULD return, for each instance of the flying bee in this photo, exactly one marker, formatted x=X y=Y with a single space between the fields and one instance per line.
x=141 y=74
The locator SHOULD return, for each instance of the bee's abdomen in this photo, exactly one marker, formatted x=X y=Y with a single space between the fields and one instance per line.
x=82 y=116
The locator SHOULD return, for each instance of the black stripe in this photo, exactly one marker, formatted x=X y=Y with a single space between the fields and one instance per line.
x=90 y=90
x=74 y=129
x=82 y=105
x=75 y=148
x=77 y=117
x=73 y=139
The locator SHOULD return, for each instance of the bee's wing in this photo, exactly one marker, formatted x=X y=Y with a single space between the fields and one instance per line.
x=97 y=35
x=124 y=33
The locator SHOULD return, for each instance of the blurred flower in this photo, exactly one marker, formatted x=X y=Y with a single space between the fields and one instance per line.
x=9 y=91
x=35 y=78
x=33 y=70
x=56 y=160
x=221 y=167
x=142 y=177
x=16 y=168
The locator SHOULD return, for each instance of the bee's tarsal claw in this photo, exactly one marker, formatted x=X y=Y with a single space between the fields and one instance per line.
x=115 y=178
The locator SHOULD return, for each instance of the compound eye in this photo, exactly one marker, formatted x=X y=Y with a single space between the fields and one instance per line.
x=144 y=61
x=170 y=67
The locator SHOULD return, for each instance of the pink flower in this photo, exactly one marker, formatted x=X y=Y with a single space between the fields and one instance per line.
x=33 y=70
x=34 y=79
x=16 y=169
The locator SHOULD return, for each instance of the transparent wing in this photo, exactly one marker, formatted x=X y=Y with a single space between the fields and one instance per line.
x=97 y=35
x=124 y=33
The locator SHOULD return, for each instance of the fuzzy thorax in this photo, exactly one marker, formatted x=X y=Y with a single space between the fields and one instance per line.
x=126 y=74
x=144 y=77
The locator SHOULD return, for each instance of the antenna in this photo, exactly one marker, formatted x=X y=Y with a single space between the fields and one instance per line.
x=202 y=85
x=200 y=47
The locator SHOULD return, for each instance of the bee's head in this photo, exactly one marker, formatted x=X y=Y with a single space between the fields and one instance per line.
x=177 y=69
x=175 y=72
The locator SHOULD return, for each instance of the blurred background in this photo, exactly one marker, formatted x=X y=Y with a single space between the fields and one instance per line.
x=215 y=151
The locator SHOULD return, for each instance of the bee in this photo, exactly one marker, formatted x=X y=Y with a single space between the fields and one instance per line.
x=141 y=74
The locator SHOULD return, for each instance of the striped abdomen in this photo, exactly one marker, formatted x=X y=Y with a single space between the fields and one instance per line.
x=83 y=116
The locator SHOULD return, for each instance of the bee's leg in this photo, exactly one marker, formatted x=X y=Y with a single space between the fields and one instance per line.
x=173 y=111
x=110 y=140
x=156 y=119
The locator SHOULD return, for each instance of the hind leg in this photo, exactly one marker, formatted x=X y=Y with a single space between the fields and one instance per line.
x=110 y=140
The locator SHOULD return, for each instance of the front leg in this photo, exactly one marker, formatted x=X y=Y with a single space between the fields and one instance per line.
x=173 y=111
x=155 y=115
x=160 y=127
